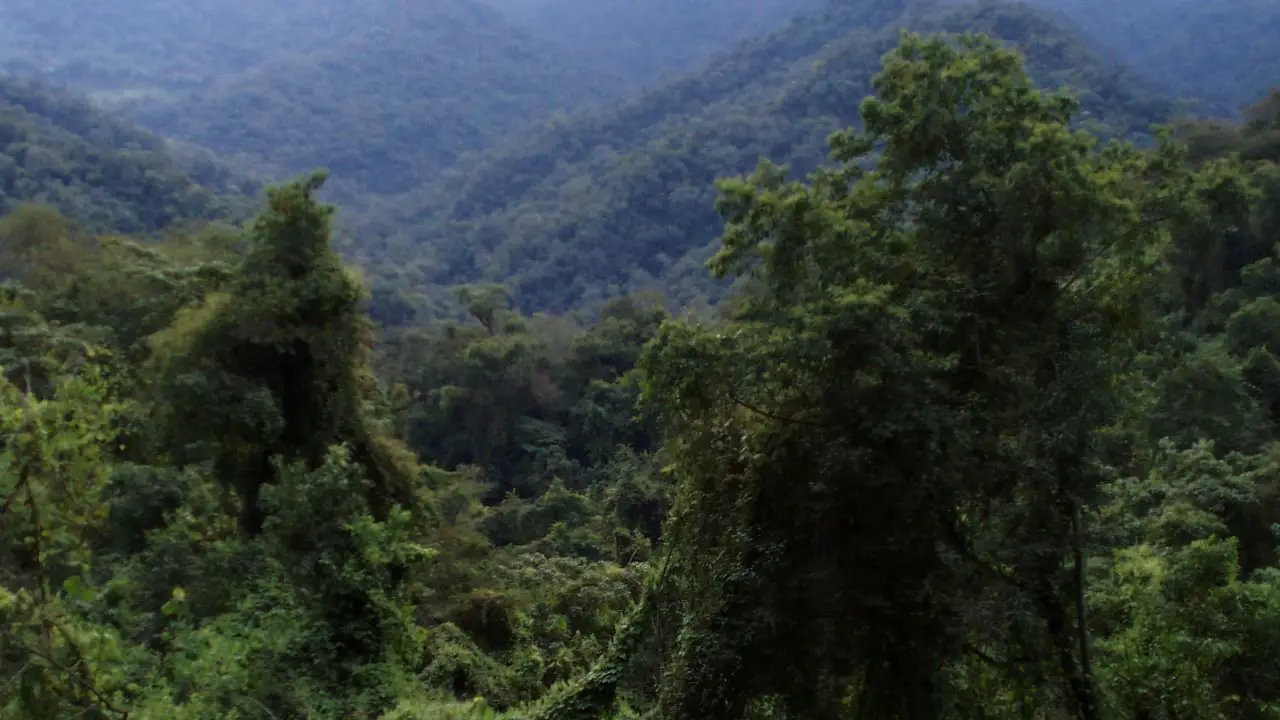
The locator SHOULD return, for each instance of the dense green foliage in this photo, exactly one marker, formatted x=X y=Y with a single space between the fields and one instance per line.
x=237 y=494
x=56 y=149
x=955 y=427
x=987 y=428
x=622 y=202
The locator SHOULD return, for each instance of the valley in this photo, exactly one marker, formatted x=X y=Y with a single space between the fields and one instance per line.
x=549 y=360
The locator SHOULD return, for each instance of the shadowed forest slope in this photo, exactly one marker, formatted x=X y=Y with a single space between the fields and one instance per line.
x=622 y=200
x=384 y=93
x=59 y=150
x=1219 y=53
x=640 y=41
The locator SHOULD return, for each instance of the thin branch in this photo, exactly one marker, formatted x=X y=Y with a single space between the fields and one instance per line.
x=994 y=662
x=24 y=473
x=962 y=545
x=102 y=701
x=22 y=485
x=255 y=701
x=1082 y=627
x=765 y=413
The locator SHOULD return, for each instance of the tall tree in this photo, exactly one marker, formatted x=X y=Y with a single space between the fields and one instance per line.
x=277 y=366
x=890 y=445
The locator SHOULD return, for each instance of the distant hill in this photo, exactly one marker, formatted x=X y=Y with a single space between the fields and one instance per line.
x=623 y=201
x=140 y=48
x=1220 y=52
x=57 y=149
x=640 y=40
x=384 y=93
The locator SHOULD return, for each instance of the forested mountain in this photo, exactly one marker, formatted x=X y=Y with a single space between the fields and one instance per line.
x=640 y=40
x=57 y=149
x=992 y=430
x=383 y=93
x=1220 y=53
x=138 y=48
x=622 y=200
x=978 y=417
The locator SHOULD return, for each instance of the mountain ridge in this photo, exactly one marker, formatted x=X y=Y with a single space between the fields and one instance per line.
x=623 y=201
x=107 y=174
x=384 y=93
x=621 y=35
x=1219 y=55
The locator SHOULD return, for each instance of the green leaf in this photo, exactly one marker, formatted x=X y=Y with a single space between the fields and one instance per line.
x=76 y=588
x=174 y=605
